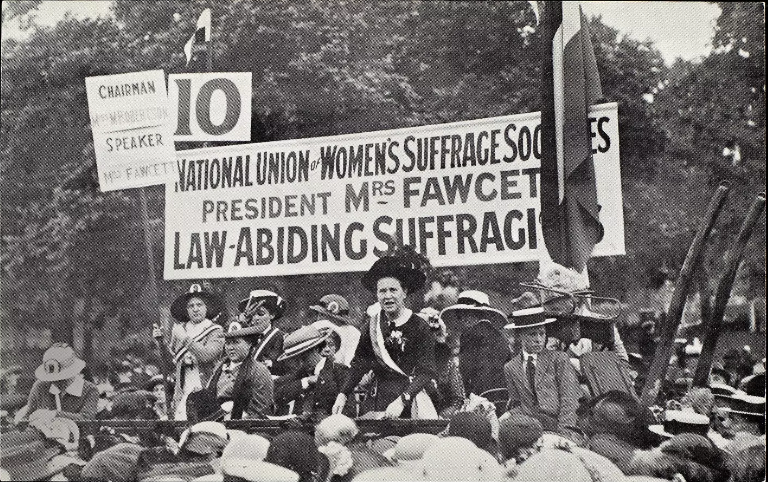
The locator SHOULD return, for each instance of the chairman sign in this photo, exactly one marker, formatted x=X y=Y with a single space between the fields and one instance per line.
x=464 y=193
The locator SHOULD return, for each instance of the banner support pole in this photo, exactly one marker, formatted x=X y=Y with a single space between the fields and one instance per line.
x=153 y=293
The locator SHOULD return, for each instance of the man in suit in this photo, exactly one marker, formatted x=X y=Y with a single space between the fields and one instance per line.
x=260 y=310
x=542 y=383
x=315 y=379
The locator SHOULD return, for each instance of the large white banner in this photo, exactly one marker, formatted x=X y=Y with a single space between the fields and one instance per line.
x=130 y=120
x=463 y=193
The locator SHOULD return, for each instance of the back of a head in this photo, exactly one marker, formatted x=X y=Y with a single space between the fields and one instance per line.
x=456 y=458
x=386 y=474
x=248 y=447
x=296 y=451
x=518 y=432
x=551 y=465
x=335 y=428
x=473 y=427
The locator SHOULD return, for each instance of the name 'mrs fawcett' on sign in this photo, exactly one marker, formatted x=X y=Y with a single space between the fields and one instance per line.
x=462 y=193
x=132 y=135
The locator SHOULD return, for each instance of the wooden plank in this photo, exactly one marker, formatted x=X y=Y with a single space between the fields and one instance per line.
x=271 y=427
x=660 y=363
x=714 y=321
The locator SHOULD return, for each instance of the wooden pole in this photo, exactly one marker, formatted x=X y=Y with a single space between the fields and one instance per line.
x=153 y=293
x=723 y=293
x=658 y=369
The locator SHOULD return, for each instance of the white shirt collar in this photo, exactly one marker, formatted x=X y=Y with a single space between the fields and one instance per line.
x=231 y=366
x=404 y=316
x=526 y=355
x=74 y=388
x=319 y=366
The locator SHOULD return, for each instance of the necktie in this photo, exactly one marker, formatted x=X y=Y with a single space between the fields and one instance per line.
x=530 y=370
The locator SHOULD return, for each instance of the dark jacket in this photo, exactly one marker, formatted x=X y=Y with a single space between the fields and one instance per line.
x=269 y=348
x=557 y=390
x=75 y=407
x=484 y=352
x=317 y=398
x=448 y=394
x=416 y=359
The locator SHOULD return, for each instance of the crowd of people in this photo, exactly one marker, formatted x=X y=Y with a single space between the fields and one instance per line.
x=548 y=392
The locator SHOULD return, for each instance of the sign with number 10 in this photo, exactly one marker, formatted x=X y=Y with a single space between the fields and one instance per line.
x=213 y=106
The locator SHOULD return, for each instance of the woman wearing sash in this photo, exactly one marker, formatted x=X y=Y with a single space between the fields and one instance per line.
x=195 y=342
x=396 y=343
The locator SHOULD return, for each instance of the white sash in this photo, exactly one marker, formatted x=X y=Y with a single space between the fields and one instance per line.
x=183 y=351
x=263 y=343
x=421 y=406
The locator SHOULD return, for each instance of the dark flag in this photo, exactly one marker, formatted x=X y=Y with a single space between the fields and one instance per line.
x=200 y=40
x=570 y=84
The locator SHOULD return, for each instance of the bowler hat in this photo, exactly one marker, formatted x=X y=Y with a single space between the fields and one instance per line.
x=269 y=299
x=212 y=303
x=301 y=340
x=59 y=363
x=334 y=307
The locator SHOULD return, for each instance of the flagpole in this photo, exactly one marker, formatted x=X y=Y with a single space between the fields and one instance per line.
x=209 y=57
x=153 y=292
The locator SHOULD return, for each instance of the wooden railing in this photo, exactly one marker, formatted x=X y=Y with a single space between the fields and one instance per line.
x=367 y=427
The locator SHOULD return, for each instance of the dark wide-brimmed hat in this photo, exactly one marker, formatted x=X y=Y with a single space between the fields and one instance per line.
x=404 y=266
x=212 y=302
x=333 y=307
x=528 y=313
x=476 y=302
x=302 y=340
x=268 y=299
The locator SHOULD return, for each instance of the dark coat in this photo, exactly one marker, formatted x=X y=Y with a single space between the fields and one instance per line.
x=317 y=398
x=484 y=352
x=557 y=390
x=270 y=349
x=416 y=359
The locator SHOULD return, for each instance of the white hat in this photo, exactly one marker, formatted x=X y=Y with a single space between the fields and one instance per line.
x=59 y=363
x=472 y=301
x=457 y=458
x=257 y=471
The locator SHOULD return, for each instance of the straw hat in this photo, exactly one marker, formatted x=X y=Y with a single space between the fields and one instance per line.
x=530 y=314
x=410 y=448
x=472 y=301
x=681 y=421
x=59 y=363
x=238 y=329
x=302 y=340
x=257 y=471
x=334 y=307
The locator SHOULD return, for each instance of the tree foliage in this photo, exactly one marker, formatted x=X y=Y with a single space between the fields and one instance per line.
x=332 y=67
